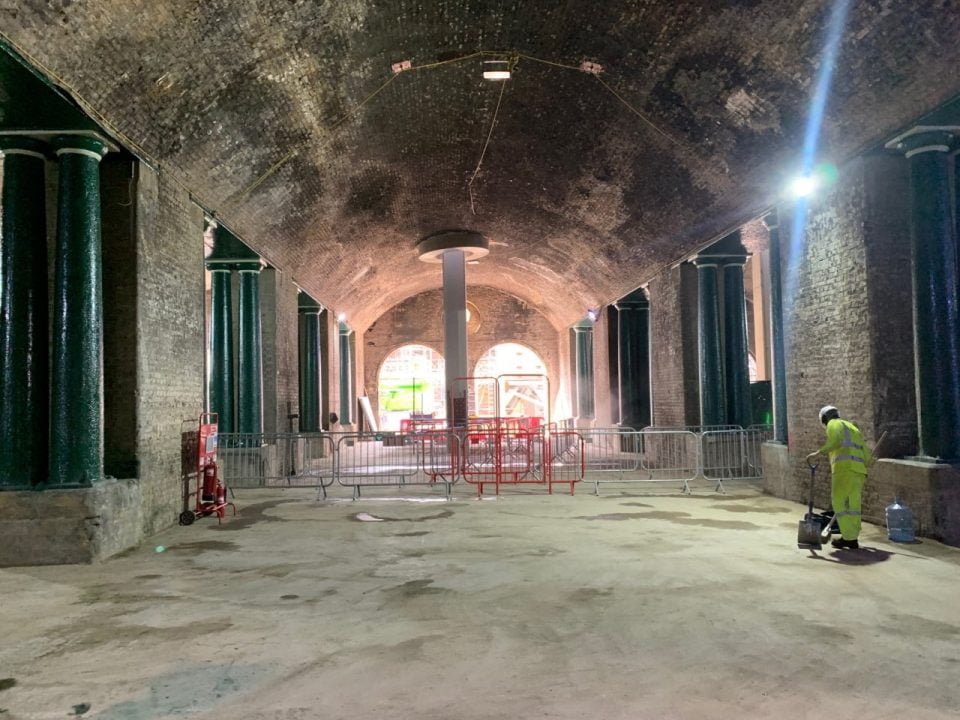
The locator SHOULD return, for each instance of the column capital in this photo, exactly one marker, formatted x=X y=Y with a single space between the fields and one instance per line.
x=249 y=266
x=80 y=145
x=306 y=305
x=923 y=139
x=585 y=325
x=22 y=145
x=637 y=300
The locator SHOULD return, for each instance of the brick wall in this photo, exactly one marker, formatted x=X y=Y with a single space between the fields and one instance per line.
x=169 y=338
x=279 y=322
x=673 y=346
x=503 y=318
x=847 y=302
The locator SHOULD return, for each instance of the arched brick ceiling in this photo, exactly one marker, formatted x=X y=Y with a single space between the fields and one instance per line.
x=255 y=105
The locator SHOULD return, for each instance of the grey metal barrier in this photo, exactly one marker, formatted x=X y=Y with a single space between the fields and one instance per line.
x=611 y=450
x=732 y=455
x=260 y=460
x=366 y=460
x=670 y=456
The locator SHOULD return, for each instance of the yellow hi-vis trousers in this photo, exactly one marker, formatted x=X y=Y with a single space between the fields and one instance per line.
x=846 y=494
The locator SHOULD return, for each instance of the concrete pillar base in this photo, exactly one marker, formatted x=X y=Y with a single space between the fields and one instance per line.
x=932 y=490
x=68 y=527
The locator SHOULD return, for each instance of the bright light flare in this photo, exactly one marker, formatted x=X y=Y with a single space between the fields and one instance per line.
x=496 y=74
x=342 y=317
x=804 y=186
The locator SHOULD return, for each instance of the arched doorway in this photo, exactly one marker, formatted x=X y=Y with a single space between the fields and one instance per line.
x=410 y=383
x=519 y=396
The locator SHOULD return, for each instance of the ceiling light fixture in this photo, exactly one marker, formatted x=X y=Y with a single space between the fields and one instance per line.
x=593 y=314
x=591 y=67
x=804 y=185
x=497 y=70
x=342 y=317
x=399 y=67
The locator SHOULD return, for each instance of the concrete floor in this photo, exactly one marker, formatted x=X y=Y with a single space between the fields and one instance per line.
x=623 y=606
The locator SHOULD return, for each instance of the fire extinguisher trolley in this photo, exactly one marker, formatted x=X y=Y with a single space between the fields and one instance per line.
x=210 y=493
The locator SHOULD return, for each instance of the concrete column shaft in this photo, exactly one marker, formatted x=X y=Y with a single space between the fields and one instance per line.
x=736 y=364
x=220 y=373
x=250 y=351
x=633 y=330
x=584 y=372
x=76 y=427
x=776 y=335
x=23 y=316
x=310 y=370
x=455 y=335
x=346 y=376
x=713 y=406
x=936 y=315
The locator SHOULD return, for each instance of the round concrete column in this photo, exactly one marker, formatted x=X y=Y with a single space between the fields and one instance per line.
x=346 y=374
x=309 y=338
x=250 y=351
x=713 y=410
x=633 y=331
x=220 y=377
x=453 y=250
x=935 y=278
x=583 y=347
x=76 y=424
x=23 y=315
x=776 y=333
x=736 y=366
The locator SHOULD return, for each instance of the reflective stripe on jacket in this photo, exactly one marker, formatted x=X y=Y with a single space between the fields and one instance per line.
x=845 y=446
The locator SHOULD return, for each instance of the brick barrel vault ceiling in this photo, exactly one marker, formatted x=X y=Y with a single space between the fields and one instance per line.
x=581 y=198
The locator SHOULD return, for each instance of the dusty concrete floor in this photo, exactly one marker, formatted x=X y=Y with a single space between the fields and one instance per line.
x=528 y=606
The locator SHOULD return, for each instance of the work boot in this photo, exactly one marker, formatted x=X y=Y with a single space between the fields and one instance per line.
x=842 y=544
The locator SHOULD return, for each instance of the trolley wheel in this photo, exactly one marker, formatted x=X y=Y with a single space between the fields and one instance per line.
x=187 y=517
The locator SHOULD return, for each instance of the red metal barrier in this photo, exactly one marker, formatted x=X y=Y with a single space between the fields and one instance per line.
x=504 y=453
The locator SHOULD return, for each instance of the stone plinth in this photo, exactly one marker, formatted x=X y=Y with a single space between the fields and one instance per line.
x=59 y=527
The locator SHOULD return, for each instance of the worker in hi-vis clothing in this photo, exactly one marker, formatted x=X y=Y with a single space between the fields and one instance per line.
x=849 y=459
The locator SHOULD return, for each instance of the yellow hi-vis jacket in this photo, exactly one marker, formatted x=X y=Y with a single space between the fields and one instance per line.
x=845 y=446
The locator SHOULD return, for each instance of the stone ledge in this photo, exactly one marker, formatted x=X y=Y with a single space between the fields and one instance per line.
x=57 y=527
x=931 y=490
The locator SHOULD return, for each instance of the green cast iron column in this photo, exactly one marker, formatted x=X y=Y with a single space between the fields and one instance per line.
x=776 y=333
x=250 y=347
x=713 y=410
x=346 y=375
x=76 y=422
x=23 y=315
x=220 y=378
x=633 y=329
x=309 y=364
x=736 y=365
x=583 y=333
x=935 y=312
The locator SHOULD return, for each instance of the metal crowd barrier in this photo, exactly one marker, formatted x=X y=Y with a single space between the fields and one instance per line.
x=733 y=454
x=674 y=454
x=260 y=460
x=428 y=457
x=492 y=453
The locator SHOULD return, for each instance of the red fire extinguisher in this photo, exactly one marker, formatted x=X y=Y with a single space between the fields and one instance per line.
x=211 y=483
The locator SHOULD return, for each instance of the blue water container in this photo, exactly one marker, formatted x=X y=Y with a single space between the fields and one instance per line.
x=899 y=522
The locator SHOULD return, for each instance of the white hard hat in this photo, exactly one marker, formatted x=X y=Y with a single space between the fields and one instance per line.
x=826 y=410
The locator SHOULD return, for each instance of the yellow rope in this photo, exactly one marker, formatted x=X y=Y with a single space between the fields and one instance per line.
x=486 y=144
x=636 y=112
